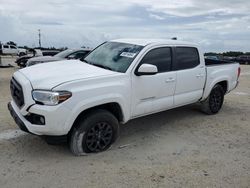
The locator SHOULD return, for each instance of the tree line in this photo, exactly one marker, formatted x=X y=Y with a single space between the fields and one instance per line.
x=227 y=54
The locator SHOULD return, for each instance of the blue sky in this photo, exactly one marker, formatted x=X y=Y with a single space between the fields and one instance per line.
x=216 y=25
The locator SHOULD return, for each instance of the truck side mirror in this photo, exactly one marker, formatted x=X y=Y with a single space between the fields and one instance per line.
x=146 y=69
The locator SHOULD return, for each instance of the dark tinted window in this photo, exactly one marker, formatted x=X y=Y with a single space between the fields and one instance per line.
x=80 y=55
x=186 y=58
x=48 y=53
x=160 y=57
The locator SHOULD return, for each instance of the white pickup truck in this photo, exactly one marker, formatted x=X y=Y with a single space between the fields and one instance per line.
x=7 y=49
x=120 y=80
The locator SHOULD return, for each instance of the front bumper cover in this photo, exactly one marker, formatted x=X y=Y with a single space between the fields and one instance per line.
x=18 y=121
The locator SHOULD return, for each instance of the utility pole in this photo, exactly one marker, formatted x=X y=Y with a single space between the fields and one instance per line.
x=39 y=35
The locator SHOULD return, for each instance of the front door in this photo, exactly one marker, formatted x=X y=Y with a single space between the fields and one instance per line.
x=153 y=93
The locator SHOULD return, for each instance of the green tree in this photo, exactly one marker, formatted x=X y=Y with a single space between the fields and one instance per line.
x=11 y=43
x=232 y=54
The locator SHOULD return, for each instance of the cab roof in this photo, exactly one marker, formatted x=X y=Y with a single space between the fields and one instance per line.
x=145 y=42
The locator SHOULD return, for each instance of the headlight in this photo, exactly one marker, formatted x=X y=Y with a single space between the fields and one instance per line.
x=50 y=97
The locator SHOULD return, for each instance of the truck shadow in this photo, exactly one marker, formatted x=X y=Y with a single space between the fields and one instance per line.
x=170 y=120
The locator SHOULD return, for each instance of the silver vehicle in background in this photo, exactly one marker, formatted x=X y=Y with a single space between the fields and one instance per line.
x=64 y=55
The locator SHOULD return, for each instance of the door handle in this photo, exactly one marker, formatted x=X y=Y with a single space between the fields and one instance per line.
x=170 y=80
x=199 y=76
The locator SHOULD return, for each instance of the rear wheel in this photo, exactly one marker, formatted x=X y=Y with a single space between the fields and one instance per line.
x=95 y=132
x=214 y=102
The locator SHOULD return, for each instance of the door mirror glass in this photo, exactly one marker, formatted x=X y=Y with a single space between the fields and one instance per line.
x=147 y=69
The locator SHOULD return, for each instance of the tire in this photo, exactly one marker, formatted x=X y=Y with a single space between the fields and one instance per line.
x=21 y=54
x=214 y=102
x=95 y=132
x=22 y=63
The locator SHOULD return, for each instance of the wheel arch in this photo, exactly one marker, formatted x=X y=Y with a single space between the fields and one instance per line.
x=209 y=86
x=113 y=107
x=224 y=85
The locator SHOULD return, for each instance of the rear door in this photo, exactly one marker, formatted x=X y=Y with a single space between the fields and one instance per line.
x=153 y=93
x=13 y=49
x=190 y=76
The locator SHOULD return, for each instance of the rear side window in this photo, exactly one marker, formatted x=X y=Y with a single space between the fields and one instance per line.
x=6 y=46
x=160 y=57
x=186 y=58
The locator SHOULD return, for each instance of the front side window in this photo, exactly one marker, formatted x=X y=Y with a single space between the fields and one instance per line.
x=12 y=47
x=160 y=57
x=186 y=57
x=114 y=56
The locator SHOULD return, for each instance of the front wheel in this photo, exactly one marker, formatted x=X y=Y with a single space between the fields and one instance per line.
x=95 y=132
x=214 y=102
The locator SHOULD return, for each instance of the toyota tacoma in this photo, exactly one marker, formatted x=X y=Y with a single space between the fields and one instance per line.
x=86 y=101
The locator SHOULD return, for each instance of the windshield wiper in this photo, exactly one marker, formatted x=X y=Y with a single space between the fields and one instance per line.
x=83 y=60
x=102 y=66
x=98 y=65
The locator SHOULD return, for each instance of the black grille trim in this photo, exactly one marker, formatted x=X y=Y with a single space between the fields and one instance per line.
x=17 y=92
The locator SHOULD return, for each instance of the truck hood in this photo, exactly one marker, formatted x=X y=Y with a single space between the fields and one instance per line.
x=50 y=75
x=44 y=59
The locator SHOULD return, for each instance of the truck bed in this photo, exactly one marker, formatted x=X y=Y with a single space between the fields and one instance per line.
x=213 y=62
x=217 y=72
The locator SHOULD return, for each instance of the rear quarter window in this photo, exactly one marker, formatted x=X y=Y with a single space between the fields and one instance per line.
x=186 y=58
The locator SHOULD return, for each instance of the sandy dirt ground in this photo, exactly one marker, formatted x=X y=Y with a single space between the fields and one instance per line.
x=177 y=148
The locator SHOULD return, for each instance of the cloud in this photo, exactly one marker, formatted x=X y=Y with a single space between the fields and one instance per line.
x=157 y=17
x=215 y=25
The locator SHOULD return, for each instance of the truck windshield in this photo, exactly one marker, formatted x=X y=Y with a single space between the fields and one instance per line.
x=114 y=56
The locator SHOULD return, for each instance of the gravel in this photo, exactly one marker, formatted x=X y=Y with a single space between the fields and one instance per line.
x=177 y=148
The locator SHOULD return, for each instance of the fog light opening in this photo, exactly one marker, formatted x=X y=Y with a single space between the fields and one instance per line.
x=36 y=119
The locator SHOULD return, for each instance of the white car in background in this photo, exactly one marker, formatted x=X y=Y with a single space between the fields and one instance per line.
x=64 y=55
x=7 y=49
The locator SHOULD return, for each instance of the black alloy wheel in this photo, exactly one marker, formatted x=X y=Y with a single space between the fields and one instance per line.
x=216 y=100
x=99 y=137
x=93 y=132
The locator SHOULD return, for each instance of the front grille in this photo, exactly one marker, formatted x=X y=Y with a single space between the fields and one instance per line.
x=16 y=92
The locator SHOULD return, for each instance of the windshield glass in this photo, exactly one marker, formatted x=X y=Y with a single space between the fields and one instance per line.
x=114 y=56
x=64 y=53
